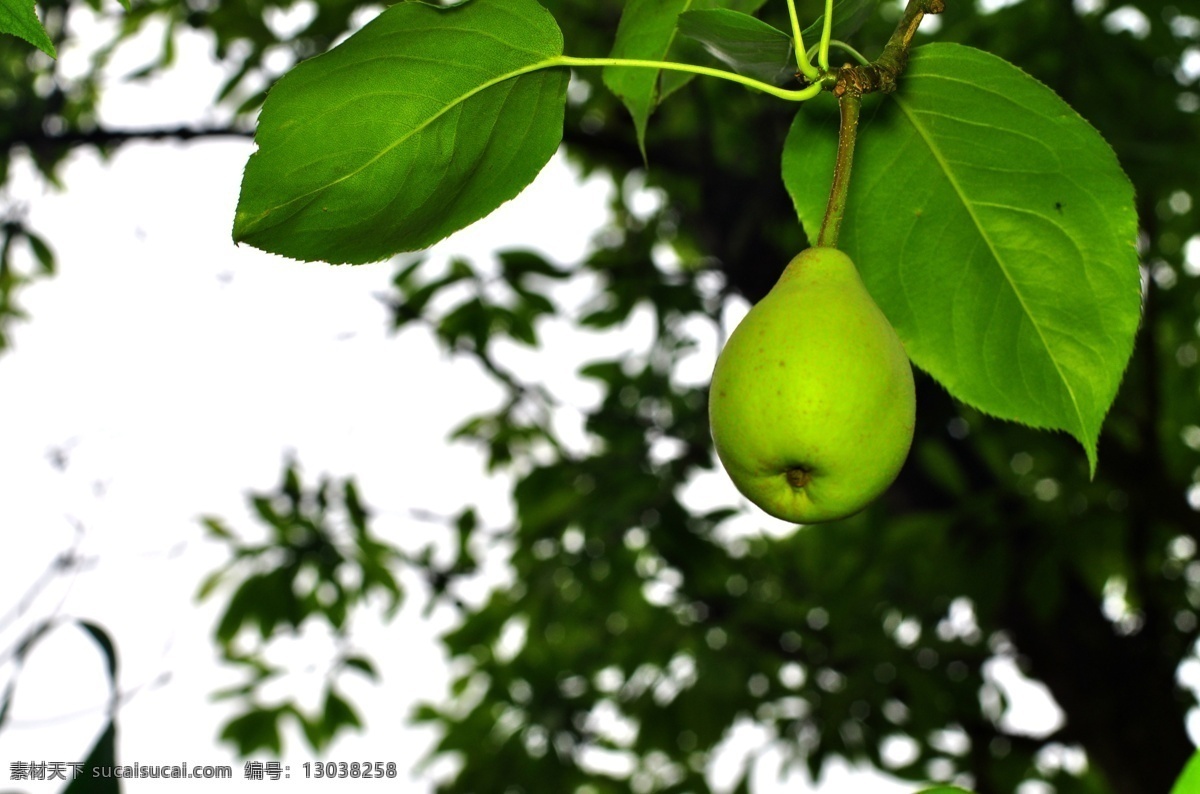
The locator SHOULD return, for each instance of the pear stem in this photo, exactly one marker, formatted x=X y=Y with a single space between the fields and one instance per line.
x=848 y=84
x=849 y=103
x=883 y=75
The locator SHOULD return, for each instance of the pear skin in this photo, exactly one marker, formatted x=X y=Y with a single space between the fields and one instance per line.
x=812 y=404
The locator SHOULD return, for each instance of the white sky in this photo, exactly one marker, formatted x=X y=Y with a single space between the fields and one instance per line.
x=177 y=370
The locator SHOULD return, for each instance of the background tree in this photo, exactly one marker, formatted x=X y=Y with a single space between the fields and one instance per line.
x=644 y=631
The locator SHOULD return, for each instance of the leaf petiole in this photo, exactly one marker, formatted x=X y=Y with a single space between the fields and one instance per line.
x=802 y=57
x=798 y=95
x=826 y=36
x=841 y=45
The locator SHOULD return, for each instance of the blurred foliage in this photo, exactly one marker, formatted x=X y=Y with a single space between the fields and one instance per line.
x=46 y=111
x=16 y=273
x=14 y=658
x=636 y=632
x=319 y=564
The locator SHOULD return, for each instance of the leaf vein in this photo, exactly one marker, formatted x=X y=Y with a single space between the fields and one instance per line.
x=969 y=205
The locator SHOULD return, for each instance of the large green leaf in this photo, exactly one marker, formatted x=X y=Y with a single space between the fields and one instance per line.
x=419 y=124
x=746 y=44
x=18 y=18
x=995 y=229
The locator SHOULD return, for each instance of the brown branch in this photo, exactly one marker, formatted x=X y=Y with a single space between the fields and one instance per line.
x=38 y=140
x=883 y=75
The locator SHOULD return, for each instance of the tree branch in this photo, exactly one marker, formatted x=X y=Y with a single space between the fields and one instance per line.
x=883 y=75
x=101 y=137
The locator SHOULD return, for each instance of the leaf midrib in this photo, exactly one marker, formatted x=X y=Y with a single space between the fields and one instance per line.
x=543 y=62
x=416 y=130
x=943 y=164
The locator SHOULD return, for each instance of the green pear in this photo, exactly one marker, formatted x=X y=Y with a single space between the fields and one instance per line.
x=812 y=403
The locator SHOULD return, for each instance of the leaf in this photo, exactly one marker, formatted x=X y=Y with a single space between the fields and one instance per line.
x=686 y=50
x=1189 y=779
x=848 y=17
x=376 y=575
x=106 y=645
x=944 y=790
x=647 y=31
x=416 y=126
x=995 y=229
x=355 y=511
x=18 y=18
x=746 y=44
x=339 y=713
x=102 y=756
x=363 y=665
x=257 y=729
x=216 y=528
x=313 y=731
x=265 y=510
x=210 y=584
x=516 y=265
x=41 y=250
x=263 y=598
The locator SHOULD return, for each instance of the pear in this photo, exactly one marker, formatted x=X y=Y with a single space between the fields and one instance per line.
x=812 y=403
